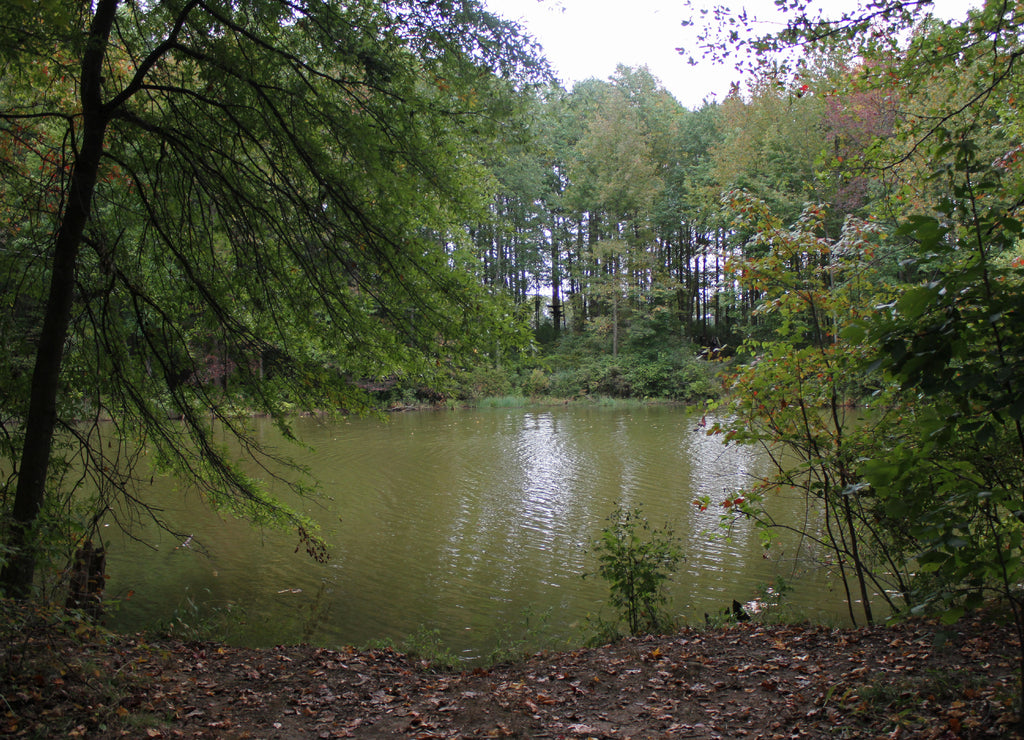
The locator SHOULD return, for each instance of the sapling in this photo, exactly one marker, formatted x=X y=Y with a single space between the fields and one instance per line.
x=636 y=562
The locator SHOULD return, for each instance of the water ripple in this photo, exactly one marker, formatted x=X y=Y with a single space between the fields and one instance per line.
x=462 y=520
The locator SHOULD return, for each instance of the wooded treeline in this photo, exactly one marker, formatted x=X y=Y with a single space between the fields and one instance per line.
x=618 y=211
x=610 y=211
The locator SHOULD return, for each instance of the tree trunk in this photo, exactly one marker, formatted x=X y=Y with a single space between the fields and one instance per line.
x=859 y=567
x=615 y=325
x=556 y=285
x=41 y=418
x=88 y=577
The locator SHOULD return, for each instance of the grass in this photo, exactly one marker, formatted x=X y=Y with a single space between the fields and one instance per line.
x=52 y=662
x=532 y=633
x=503 y=402
x=196 y=621
x=516 y=402
x=424 y=646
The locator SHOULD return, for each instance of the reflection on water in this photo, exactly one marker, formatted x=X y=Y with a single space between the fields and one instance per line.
x=459 y=521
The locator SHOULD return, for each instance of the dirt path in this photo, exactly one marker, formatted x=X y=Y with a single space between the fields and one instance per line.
x=917 y=680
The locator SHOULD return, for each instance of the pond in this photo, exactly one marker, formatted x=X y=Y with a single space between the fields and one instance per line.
x=466 y=522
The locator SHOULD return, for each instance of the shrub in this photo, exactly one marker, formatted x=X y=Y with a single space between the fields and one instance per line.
x=536 y=383
x=483 y=382
x=636 y=561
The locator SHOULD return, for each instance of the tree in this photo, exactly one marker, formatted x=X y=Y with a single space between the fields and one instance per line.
x=799 y=396
x=513 y=240
x=691 y=224
x=951 y=471
x=626 y=142
x=287 y=181
x=770 y=148
x=955 y=340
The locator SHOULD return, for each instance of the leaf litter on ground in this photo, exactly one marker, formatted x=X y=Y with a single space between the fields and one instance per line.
x=917 y=679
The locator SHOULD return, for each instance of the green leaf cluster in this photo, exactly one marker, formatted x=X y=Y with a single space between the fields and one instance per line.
x=271 y=216
x=801 y=394
x=636 y=562
x=939 y=481
x=955 y=339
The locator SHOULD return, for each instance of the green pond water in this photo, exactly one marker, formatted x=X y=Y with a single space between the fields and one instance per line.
x=465 y=522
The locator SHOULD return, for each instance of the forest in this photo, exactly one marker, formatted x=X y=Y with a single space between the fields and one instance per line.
x=212 y=209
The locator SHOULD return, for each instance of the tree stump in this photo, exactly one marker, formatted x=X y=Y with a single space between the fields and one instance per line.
x=88 y=577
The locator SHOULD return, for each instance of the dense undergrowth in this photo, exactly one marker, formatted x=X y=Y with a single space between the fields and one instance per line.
x=571 y=371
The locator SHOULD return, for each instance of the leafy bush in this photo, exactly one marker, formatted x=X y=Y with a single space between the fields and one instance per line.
x=484 y=382
x=561 y=384
x=427 y=646
x=194 y=620
x=636 y=561
x=613 y=382
x=676 y=375
x=670 y=377
x=536 y=383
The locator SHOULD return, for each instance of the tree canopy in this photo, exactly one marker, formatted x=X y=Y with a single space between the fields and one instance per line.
x=208 y=203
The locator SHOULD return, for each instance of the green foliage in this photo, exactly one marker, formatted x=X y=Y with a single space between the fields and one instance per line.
x=513 y=641
x=197 y=620
x=674 y=375
x=536 y=383
x=772 y=601
x=942 y=479
x=636 y=561
x=44 y=647
x=608 y=205
x=770 y=148
x=425 y=645
x=502 y=402
x=246 y=206
x=600 y=631
x=483 y=381
x=957 y=340
x=800 y=396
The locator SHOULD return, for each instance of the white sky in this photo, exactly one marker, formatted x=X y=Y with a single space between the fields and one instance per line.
x=588 y=38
